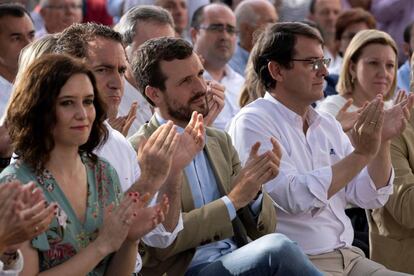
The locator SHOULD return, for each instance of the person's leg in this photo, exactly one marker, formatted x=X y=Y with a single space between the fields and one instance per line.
x=273 y=254
x=359 y=265
x=331 y=263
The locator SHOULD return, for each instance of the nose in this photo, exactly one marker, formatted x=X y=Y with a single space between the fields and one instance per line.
x=80 y=112
x=200 y=84
x=115 y=81
x=323 y=70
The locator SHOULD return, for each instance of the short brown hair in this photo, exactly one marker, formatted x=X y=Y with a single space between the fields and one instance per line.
x=277 y=43
x=353 y=16
x=75 y=39
x=146 y=62
x=31 y=115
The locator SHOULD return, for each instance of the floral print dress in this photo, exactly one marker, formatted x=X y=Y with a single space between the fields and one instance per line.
x=67 y=235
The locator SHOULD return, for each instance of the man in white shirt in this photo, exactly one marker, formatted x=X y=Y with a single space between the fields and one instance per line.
x=325 y=13
x=16 y=31
x=58 y=15
x=251 y=16
x=136 y=26
x=179 y=12
x=103 y=50
x=214 y=34
x=321 y=172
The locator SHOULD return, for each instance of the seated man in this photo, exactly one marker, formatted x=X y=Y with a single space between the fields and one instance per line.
x=320 y=171
x=221 y=203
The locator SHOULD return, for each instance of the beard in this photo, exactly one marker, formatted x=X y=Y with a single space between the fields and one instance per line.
x=183 y=112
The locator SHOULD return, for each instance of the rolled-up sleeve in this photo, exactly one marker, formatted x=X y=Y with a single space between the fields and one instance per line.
x=160 y=237
x=362 y=191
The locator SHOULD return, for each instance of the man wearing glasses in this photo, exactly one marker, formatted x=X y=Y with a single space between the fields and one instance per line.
x=58 y=15
x=214 y=34
x=320 y=171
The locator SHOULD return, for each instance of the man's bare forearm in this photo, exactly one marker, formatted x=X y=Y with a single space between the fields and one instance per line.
x=379 y=168
x=172 y=188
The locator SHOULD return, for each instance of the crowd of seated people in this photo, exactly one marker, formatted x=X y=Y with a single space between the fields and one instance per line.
x=185 y=138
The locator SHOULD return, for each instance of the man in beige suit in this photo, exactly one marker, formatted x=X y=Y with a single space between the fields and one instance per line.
x=223 y=206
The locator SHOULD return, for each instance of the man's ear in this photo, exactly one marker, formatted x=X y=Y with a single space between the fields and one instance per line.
x=406 y=49
x=275 y=71
x=153 y=94
x=193 y=34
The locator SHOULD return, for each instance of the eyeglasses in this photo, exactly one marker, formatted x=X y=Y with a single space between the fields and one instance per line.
x=65 y=7
x=219 y=28
x=317 y=63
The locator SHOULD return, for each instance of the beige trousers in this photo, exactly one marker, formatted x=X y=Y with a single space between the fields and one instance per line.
x=349 y=261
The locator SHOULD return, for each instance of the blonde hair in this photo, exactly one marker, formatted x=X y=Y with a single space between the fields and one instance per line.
x=353 y=52
x=34 y=50
x=252 y=88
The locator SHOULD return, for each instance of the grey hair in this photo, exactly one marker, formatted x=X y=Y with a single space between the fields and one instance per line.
x=245 y=13
x=143 y=13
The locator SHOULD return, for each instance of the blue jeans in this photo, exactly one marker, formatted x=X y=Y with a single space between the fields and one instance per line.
x=273 y=254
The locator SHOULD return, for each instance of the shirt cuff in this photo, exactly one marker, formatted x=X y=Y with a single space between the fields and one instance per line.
x=15 y=269
x=160 y=237
x=230 y=207
x=256 y=205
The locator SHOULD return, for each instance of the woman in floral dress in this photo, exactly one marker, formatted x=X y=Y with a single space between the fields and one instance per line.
x=55 y=120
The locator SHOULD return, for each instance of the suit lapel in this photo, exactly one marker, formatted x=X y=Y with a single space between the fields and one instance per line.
x=218 y=164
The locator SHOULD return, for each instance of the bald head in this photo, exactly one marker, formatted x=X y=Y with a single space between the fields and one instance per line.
x=214 y=34
x=251 y=16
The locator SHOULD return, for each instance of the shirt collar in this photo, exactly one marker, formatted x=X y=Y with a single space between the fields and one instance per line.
x=228 y=73
x=312 y=115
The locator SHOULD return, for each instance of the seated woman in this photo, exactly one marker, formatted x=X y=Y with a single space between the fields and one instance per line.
x=55 y=120
x=392 y=226
x=369 y=68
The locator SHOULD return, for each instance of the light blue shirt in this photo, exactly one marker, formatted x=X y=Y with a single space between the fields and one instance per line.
x=204 y=189
x=239 y=60
x=403 y=77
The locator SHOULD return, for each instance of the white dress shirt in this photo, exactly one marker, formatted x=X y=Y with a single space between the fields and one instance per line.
x=233 y=83
x=6 y=89
x=144 y=112
x=305 y=214
x=122 y=156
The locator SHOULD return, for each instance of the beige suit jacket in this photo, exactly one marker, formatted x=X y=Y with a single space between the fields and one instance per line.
x=211 y=222
x=392 y=226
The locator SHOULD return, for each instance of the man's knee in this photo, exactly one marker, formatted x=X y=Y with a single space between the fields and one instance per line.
x=277 y=245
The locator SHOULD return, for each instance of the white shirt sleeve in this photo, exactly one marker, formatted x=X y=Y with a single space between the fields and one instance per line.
x=160 y=237
x=293 y=191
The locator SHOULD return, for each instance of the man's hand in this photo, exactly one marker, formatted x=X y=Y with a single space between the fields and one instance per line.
x=258 y=170
x=215 y=101
x=155 y=155
x=146 y=219
x=123 y=123
x=366 y=134
x=191 y=143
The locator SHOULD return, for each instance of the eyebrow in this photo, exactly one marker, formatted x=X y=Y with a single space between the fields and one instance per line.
x=64 y=97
